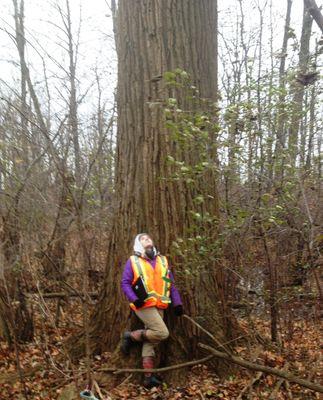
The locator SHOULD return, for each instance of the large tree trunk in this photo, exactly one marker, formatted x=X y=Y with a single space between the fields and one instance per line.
x=153 y=37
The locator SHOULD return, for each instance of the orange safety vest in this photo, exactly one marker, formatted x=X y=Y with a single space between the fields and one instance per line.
x=156 y=280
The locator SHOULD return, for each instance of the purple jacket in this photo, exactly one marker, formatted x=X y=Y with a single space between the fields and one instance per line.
x=127 y=278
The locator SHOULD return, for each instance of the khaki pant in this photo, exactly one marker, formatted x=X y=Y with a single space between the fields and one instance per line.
x=156 y=329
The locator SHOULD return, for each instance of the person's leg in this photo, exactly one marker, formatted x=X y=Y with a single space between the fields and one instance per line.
x=155 y=327
x=148 y=348
x=129 y=338
x=156 y=330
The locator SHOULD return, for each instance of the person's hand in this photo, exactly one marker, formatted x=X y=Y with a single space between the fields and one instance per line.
x=178 y=310
x=139 y=303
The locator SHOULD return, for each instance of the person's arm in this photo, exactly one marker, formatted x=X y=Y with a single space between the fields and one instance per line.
x=126 y=282
x=174 y=293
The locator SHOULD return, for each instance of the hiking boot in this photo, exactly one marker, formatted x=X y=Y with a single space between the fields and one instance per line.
x=151 y=381
x=126 y=343
x=130 y=338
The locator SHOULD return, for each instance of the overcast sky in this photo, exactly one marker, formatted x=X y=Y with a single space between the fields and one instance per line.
x=96 y=39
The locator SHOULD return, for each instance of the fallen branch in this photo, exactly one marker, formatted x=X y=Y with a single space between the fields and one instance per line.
x=268 y=370
x=250 y=384
x=164 y=369
x=207 y=332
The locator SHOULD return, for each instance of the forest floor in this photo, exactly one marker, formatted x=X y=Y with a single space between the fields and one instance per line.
x=47 y=378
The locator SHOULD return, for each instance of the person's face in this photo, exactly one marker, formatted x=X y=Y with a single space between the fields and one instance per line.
x=146 y=241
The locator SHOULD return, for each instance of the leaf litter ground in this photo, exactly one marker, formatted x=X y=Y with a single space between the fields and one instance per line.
x=48 y=378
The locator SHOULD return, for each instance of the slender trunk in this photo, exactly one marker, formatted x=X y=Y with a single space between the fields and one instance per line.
x=20 y=323
x=312 y=120
x=53 y=258
x=73 y=121
x=272 y=284
x=259 y=140
x=314 y=10
x=232 y=118
x=21 y=44
x=303 y=133
x=248 y=127
x=271 y=125
x=298 y=95
x=281 y=120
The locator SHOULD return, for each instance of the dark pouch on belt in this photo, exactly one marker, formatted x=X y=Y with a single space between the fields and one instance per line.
x=139 y=288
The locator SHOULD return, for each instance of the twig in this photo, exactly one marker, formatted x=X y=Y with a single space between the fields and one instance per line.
x=268 y=370
x=98 y=390
x=273 y=394
x=289 y=393
x=164 y=369
x=61 y=295
x=12 y=377
x=124 y=381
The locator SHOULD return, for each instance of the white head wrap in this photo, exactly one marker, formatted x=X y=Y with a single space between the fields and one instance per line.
x=139 y=248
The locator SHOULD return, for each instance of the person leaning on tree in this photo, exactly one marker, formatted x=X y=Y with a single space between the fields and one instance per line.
x=149 y=270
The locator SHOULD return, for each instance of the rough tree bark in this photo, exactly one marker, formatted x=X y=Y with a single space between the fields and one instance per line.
x=153 y=37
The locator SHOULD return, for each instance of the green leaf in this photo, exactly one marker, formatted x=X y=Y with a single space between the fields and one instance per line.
x=169 y=76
